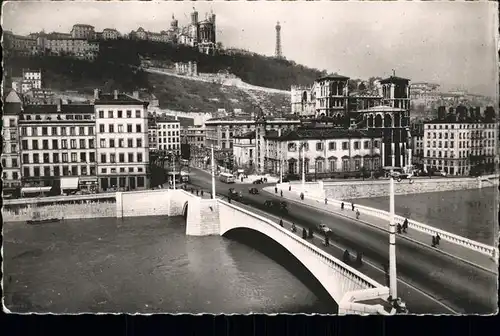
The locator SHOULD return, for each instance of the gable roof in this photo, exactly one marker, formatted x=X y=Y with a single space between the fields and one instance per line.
x=122 y=99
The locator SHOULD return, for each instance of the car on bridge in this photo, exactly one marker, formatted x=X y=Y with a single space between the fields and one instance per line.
x=233 y=194
x=276 y=205
x=324 y=229
x=253 y=191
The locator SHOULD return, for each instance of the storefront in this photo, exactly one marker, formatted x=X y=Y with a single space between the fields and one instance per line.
x=69 y=185
x=88 y=184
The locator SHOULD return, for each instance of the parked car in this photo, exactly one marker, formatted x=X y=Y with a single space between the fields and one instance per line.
x=441 y=173
x=259 y=181
x=398 y=175
x=324 y=229
x=253 y=191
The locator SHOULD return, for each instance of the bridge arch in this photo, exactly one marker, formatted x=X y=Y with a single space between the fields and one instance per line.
x=336 y=277
x=185 y=210
x=285 y=258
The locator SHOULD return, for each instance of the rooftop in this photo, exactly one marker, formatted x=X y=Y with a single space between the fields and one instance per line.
x=325 y=133
x=12 y=108
x=122 y=99
x=382 y=108
x=331 y=77
x=394 y=79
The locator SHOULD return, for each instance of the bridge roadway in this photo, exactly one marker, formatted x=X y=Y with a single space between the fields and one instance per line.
x=430 y=282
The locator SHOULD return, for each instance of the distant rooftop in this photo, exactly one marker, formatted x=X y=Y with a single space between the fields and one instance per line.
x=325 y=133
x=121 y=99
x=332 y=77
x=394 y=79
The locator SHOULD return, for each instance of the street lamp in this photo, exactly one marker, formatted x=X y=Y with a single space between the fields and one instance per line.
x=303 y=145
x=213 y=172
x=392 y=240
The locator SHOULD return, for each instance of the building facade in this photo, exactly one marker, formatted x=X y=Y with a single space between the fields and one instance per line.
x=327 y=151
x=11 y=162
x=455 y=147
x=220 y=131
x=82 y=31
x=57 y=141
x=169 y=134
x=194 y=135
x=110 y=34
x=122 y=141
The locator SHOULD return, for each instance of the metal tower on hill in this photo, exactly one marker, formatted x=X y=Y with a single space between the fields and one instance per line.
x=278 y=41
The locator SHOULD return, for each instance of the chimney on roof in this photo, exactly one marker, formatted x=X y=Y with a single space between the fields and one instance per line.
x=135 y=94
x=176 y=117
x=59 y=103
x=96 y=93
x=115 y=93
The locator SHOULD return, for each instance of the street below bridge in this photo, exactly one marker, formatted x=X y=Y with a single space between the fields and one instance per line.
x=428 y=281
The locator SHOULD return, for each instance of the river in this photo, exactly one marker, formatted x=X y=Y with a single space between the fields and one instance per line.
x=143 y=265
x=469 y=213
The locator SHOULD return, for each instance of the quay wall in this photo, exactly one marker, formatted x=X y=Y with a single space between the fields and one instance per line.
x=162 y=202
x=346 y=190
x=77 y=210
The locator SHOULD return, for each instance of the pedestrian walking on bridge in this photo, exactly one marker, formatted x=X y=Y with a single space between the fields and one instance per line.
x=289 y=188
x=405 y=225
x=342 y=206
x=357 y=214
x=352 y=206
x=281 y=192
x=275 y=190
x=281 y=222
x=326 y=201
x=304 y=233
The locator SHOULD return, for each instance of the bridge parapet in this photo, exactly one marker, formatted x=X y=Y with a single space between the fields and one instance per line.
x=453 y=238
x=337 y=277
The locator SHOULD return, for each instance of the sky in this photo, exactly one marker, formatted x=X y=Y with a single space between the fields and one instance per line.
x=453 y=44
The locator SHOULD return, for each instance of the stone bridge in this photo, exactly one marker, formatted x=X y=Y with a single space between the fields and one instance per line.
x=345 y=285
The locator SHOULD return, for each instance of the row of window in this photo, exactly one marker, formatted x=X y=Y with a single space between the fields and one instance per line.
x=119 y=114
x=169 y=133
x=59 y=117
x=57 y=171
x=461 y=135
x=121 y=157
x=166 y=126
x=174 y=146
x=120 y=143
x=59 y=144
x=332 y=145
x=58 y=157
x=120 y=128
x=461 y=154
x=370 y=164
x=167 y=140
x=461 y=144
x=57 y=130
x=14 y=163
x=72 y=171
x=461 y=126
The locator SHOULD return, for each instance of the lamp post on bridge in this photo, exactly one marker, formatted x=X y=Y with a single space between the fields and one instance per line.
x=392 y=240
x=302 y=147
x=213 y=172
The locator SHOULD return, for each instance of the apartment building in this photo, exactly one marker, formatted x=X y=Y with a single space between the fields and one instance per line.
x=455 y=147
x=82 y=31
x=168 y=134
x=122 y=141
x=110 y=34
x=152 y=134
x=194 y=135
x=11 y=163
x=326 y=150
x=58 y=140
x=220 y=131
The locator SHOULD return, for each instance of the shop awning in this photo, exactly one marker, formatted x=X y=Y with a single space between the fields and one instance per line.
x=30 y=190
x=69 y=183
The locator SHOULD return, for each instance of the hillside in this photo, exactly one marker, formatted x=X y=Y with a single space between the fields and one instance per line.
x=63 y=73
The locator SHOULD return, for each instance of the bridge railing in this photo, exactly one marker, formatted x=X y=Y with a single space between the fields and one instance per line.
x=453 y=238
x=337 y=265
